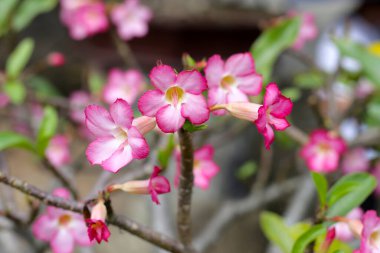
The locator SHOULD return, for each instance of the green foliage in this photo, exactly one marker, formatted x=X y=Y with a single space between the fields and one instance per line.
x=321 y=184
x=373 y=112
x=309 y=80
x=272 y=42
x=335 y=245
x=349 y=192
x=19 y=58
x=15 y=90
x=246 y=171
x=95 y=82
x=308 y=237
x=47 y=129
x=193 y=128
x=165 y=154
x=43 y=87
x=14 y=140
x=6 y=8
x=293 y=93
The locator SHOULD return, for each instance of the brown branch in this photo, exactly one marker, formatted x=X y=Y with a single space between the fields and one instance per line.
x=297 y=134
x=126 y=224
x=185 y=188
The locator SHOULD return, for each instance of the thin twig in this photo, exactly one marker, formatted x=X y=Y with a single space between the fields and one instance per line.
x=297 y=134
x=125 y=52
x=264 y=169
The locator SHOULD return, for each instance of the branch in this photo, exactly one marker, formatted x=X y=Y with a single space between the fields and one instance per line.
x=126 y=224
x=297 y=134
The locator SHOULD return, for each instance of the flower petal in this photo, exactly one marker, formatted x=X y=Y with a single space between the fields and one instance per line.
x=217 y=96
x=101 y=149
x=139 y=146
x=195 y=109
x=250 y=84
x=204 y=153
x=98 y=120
x=214 y=71
x=209 y=168
x=240 y=64
x=78 y=229
x=44 y=228
x=282 y=108
x=119 y=159
x=170 y=119
x=122 y=113
x=278 y=123
x=150 y=102
x=271 y=94
x=162 y=77
x=236 y=95
x=192 y=81
x=63 y=242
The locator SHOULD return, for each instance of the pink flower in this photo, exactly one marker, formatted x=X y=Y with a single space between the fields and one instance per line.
x=176 y=98
x=131 y=19
x=58 y=152
x=205 y=169
x=117 y=141
x=231 y=81
x=77 y=102
x=273 y=112
x=376 y=173
x=370 y=239
x=85 y=19
x=154 y=186
x=125 y=85
x=308 y=30
x=355 y=160
x=96 y=227
x=347 y=226
x=63 y=229
x=56 y=59
x=323 y=151
x=4 y=100
x=144 y=124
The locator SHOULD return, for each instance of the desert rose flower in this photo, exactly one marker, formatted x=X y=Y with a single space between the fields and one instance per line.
x=58 y=152
x=77 y=102
x=62 y=229
x=323 y=151
x=231 y=81
x=96 y=227
x=355 y=160
x=56 y=59
x=117 y=141
x=376 y=173
x=370 y=239
x=308 y=30
x=349 y=226
x=176 y=98
x=123 y=84
x=205 y=169
x=154 y=186
x=131 y=19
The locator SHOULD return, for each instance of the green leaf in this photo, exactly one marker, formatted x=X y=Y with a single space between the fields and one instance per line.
x=95 y=82
x=349 y=192
x=372 y=116
x=293 y=93
x=321 y=184
x=309 y=80
x=19 y=58
x=43 y=87
x=193 y=128
x=299 y=229
x=47 y=129
x=369 y=62
x=29 y=9
x=246 y=171
x=15 y=90
x=14 y=140
x=276 y=231
x=165 y=154
x=308 y=237
x=272 y=42
x=335 y=245
x=6 y=8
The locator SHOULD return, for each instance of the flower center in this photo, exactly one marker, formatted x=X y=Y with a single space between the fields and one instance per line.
x=196 y=164
x=174 y=95
x=120 y=134
x=64 y=219
x=375 y=239
x=227 y=81
x=324 y=147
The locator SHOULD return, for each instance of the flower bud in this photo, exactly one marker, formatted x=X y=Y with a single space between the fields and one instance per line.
x=144 y=124
x=240 y=110
x=56 y=59
x=96 y=227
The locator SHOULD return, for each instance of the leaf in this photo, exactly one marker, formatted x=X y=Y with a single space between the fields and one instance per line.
x=308 y=237
x=95 y=82
x=321 y=184
x=193 y=128
x=43 y=87
x=47 y=129
x=14 y=140
x=19 y=58
x=372 y=116
x=272 y=42
x=309 y=80
x=293 y=93
x=247 y=170
x=6 y=7
x=165 y=154
x=299 y=229
x=28 y=10
x=15 y=90
x=349 y=192
x=335 y=245
x=370 y=63
x=276 y=231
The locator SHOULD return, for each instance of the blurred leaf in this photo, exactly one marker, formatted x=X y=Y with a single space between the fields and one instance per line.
x=272 y=42
x=369 y=62
x=188 y=62
x=335 y=246
x=276 y=231
x=165 y=154
x=19 y=58
x=321 y=184
x=349 y=192
x=246 y=171
x=373 y=112
x=293 y=93
x=299 y=229
x=193 y=128
x=47 y=129
x=14 y=140
x=6 y=8
x=28 y=10
x=308 y=237
x=95 y=82
x=15 y=90
x=309 y=80
x=43 y=87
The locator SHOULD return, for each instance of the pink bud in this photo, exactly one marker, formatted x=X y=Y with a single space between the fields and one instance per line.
x=56 y=59
x=144 y=124
x=330 y=236
x=240 y=110
x=96 y=228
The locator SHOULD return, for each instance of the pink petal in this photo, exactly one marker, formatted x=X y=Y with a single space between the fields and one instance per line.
x=63 y=242
x=204 y=153
x=162 y=77
x=78 y=229
x=240 y=64
x=140 y=148
x=282 y=108
x=214 y=71
x=62 y=193
x=121 y=113
x=150 y=102
x=264 y=128
x=217 y=96
x=101 y=149
x=44 y=228
x=170 y=119
x=209 y=168
x=250 y=84
x=192 y=81
x=119 y=159
x=99 y=121
x=195 y=109
x=200 y=180
x=236 y=95
x=271 y=95
x=278 y=123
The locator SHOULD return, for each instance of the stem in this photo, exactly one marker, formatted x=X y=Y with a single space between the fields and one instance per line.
x=185 y=188
x=125 y=52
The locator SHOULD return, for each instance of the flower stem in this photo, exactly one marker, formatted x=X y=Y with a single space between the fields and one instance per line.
x=185 y=188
